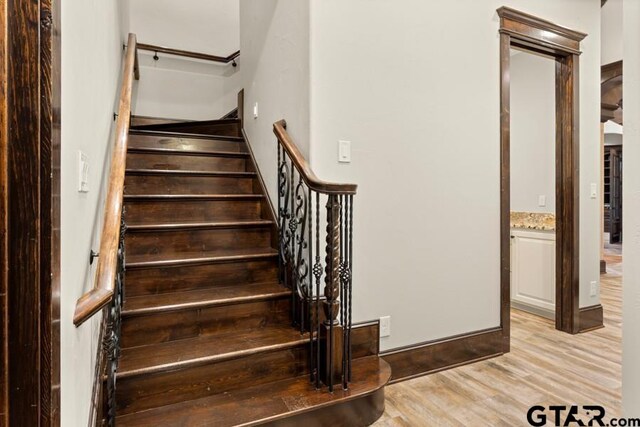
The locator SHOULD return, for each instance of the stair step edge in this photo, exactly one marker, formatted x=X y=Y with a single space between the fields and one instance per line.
x=182 y=152
x=200 y=260
x=185 y=135
x=198 y=225
x=176 y=197
x=190 y=363
x=205 y=304
x=179 y=172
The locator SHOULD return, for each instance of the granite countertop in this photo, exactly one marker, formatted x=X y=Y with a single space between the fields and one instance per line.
x=533 y=221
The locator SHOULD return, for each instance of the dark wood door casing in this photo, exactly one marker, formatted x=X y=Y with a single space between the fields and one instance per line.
x=29 y=212
x=531 y=33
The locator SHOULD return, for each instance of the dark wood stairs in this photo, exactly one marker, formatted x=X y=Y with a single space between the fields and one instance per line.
x=206 y=326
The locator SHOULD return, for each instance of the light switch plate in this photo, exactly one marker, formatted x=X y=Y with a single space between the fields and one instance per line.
x=593 y=290
x=385 y=326
x=255 y=110
x=594 y=190
x=344 y=151
x=542 y=201
x=83 y=172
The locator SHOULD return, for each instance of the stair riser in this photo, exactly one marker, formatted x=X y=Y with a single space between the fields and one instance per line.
x=144 y=392
x=231 y=129
x=162 y=280
x=185 y=162
x=180 y=184
x=156 y=212
x=196 y=241
x=196 y=144
x=191 y=323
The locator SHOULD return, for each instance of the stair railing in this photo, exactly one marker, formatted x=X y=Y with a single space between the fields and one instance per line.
x=108 y=289
x=316 y=260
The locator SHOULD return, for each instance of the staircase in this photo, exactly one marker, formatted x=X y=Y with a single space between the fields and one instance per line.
x=206 y=334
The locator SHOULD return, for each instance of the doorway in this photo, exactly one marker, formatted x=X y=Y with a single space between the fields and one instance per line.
x=532 y=34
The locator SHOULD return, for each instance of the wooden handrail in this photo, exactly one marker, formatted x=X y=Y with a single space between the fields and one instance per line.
x=309 y=177
x=103 y=291
x=189 y=54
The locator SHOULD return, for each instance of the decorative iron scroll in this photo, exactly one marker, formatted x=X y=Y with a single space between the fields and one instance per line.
x=111 y=338
x=315 y=247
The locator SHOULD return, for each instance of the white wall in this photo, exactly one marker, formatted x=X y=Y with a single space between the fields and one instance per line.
x=611 y=32
x=533 y=132
x=183 y=88
x=631 y=214
x=91 y=60
x=274 y=43
x=415 y=88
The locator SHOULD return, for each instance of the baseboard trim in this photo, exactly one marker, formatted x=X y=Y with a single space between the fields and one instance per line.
x=438 y=355
x=365 y=339
x=591 y=318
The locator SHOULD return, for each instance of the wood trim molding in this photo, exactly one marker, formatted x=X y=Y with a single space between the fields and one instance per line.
x=30 y=212
x=565 y=52
x=365 y=339
x=437 y=355
x=544 y=34
x=591 y=318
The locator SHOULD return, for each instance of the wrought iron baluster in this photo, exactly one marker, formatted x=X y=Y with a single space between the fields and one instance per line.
x=317 y=272
x=332 y=290
x=350 y=287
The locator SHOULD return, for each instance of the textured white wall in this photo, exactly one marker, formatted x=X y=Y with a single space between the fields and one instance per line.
x=631 y=214
x=275 y=74
x=183 y=88
x=611 y=40
x=91 y=61
x=415 y=88
x=533 y=132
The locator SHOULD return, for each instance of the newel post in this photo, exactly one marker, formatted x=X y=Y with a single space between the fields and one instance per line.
x=331 y=334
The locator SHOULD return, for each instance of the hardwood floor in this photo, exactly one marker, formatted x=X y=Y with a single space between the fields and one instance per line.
x=545 y=367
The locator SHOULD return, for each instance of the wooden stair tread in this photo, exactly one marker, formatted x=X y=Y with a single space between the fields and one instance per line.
x=199 y=224
x=180 y=172
x=184 y=152
x=206 y=349
x=200 y=298
x=185 y=258
x=264 y=403
x=156 y=132
x=177 y=197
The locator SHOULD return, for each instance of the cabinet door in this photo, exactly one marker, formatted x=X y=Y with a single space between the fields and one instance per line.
x=533 y=270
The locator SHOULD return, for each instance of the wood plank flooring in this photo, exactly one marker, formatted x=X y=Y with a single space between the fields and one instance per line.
x=545 y=367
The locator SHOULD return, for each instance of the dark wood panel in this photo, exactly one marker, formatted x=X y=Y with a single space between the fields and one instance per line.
x=23 y=185
x=224 y=127
x=193 y=241
x=180 y=279
x=176 y=325
x=433 y=356
x=4 y=240
x=591 y=318
x=29 y=212
x=178 y=142
x=365 y=339
x=165 y=388
x=168 y=211
x=149 y=120
x=192 y=183
x=171 y=161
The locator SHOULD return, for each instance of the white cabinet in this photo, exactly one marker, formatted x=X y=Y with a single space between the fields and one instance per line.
x=533 y=271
